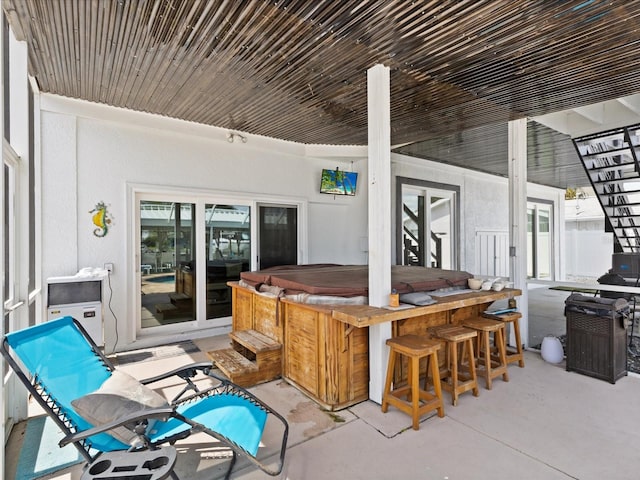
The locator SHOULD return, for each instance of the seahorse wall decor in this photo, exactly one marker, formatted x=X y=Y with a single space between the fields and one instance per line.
x=101 y=219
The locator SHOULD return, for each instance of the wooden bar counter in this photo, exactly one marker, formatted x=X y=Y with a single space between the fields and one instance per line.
x=326 y=347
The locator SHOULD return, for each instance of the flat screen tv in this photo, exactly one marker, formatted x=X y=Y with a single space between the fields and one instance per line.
x=338 y=182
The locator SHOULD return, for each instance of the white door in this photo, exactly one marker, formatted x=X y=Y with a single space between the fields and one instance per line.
x=14 y=286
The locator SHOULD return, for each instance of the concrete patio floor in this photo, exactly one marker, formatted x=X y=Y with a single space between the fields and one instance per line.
x=545 y=423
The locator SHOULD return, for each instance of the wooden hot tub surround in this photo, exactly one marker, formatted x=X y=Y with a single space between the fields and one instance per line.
x=326 y=347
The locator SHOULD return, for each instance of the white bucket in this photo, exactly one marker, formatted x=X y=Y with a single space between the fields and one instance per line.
x=551 y=349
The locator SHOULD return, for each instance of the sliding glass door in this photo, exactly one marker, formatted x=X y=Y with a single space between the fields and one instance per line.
x=191 y=248
x=228 y=252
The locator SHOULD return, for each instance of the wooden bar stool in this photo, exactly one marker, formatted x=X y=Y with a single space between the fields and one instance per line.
x=457 y=377
x=414 y=347
x=490 y=368
x=513 y=354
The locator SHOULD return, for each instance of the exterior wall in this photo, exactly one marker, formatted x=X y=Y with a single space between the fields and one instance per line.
x=588 y=249
x=93 y=153
x=484 y=203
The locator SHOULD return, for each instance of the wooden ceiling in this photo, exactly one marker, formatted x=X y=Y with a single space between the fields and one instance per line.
x=296 y=69
x=552 y=159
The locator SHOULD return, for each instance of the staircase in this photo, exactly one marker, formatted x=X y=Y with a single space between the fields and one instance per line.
x=254 y=358
x=610 y=160
x=415 y=248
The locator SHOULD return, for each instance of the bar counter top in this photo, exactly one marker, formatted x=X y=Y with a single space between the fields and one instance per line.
x=365 y=315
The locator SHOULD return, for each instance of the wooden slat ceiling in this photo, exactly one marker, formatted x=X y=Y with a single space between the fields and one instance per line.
x=296 y=70
x=552 y=158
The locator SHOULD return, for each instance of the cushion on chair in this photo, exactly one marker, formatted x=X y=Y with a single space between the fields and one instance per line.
x=120 y=395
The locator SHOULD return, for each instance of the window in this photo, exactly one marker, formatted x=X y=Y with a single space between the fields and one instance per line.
x=539 y=240
x=427 y=224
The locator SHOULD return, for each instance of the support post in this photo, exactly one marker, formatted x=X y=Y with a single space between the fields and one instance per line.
x=379 y=177
x=518 y=219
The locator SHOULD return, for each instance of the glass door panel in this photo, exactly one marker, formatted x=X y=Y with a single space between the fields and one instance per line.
x=167 y=263
x=543 y=244
x=278 y=230
x=539 y=241
x=8 y=321
x=228 y=251
x=440 y=231
x=413 y=227
x=531 y=258
x=8 y=235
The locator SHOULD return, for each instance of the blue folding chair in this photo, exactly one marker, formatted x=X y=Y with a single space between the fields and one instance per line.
x=101 y=409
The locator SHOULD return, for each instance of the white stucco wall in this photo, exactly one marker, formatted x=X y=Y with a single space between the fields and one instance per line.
x=588 y=249
x=93 y=153
x=484 y=203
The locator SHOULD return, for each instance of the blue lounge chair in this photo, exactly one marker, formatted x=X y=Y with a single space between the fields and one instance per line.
x=101 y=409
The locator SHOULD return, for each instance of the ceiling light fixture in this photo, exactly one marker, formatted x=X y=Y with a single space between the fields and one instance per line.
x=231 y=137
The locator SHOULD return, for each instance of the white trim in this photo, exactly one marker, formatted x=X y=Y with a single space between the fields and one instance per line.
x=35 y=296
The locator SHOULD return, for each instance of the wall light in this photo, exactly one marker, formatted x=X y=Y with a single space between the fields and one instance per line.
x=232 y=137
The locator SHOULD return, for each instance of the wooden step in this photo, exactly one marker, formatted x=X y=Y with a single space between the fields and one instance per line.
x=165 y=307
x=255 y=358
x=255 y=341
x=166 y=311
x=180 y=298
x=266 y=352
x=239 y=369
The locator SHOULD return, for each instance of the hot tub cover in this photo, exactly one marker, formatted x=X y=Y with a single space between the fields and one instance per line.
x=351 y=280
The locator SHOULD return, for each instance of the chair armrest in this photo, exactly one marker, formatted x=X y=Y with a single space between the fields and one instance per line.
x=160 y=413
x=184 y=372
